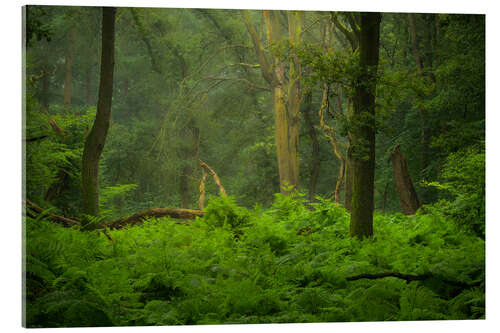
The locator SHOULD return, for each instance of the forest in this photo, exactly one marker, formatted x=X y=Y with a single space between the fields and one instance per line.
x=209 y=166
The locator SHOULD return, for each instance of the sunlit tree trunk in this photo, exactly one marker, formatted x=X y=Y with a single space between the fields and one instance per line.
x=96 y=138
x=363 y=132
x=286 y=100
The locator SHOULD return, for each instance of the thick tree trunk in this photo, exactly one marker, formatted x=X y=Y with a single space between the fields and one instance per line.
x=285 y=89
x=407 y=195
x=315 y=161
x=363 y=149
x=96 y=138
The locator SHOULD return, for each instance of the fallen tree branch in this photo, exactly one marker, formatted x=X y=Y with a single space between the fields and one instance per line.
x=67 y=222
x=36 y=138
x=407 y=277
x=216 y=178
x=176 y=213
x=201 y=201
x=411 y=277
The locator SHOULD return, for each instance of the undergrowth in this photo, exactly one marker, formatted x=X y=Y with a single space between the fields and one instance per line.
x=285 y=264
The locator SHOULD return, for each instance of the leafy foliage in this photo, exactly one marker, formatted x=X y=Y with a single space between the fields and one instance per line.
x=289 y=263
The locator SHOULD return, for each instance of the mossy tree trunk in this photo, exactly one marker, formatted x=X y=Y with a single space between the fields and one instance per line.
x=285 y=90
x=96 y=138
x=363 y=132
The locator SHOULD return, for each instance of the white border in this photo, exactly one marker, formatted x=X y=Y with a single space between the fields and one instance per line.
x=11 y=154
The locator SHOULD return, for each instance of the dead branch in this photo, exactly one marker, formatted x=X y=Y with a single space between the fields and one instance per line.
x=407 y=277
x=329 y=133
x=36 y=138
x=56 y=127
x=67 y=222
x=215 y=177
x=201 y=201
x=176 y=213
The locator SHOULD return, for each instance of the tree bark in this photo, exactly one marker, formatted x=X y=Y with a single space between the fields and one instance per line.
x=96 y=138
x=348 y=179
x=407 y=195
x=414 y=43
x=419 y=64
x=215 y=177
x=88 y=84
x=187 y=170
x=69 y=68
x=315 y=161
x=285 y=90
x=364 y=128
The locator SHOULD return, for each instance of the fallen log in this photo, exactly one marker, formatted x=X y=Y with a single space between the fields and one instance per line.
x=176 y=213
x=411 y=277
x=65 y=221
x=407 y=277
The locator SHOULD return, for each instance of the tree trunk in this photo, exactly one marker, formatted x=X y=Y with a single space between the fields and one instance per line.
x=286 y=100
x=96 y=138
x=315 y=161
x=187 y=170
x=285 y=90
x=69 y=68
x=348 y=180
x=407 y=195
x=363 y=149
x=88 y=85
x=419 y=64
x=414 y=43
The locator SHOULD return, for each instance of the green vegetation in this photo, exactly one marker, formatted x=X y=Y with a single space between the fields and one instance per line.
x=196 y=166
x=288 y=263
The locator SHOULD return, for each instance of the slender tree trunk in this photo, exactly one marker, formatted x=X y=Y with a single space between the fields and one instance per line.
x=414 y=42
x=419 y=64
x=187 y=171
x=88 y=85
x=45 y=91
x=348 y=180
x=96 y=138
x=69 y=68
x=404 y=186
x=315 y=161
x=364 y=130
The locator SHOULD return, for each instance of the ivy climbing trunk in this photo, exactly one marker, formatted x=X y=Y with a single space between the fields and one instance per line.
x=363 y=132
x=96 y=138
